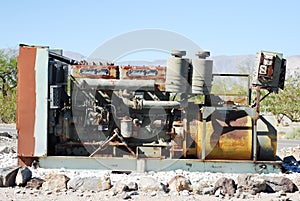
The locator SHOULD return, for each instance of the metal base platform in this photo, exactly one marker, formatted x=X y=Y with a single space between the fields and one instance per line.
x=147 y=164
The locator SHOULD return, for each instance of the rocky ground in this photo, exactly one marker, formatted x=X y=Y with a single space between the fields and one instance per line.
x=60 y=184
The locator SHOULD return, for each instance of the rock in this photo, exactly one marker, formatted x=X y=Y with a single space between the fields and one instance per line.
x=179 y=171
x=276 y=184
x=18 y=191
x=5 y=134
x=75 y=183
x=226 y=186
x=35 y=183
x=297 y=182
x=8 y=176
x=133 y=193
x=202 y=187
x=208 y=191
x=5 y=149
x=150 y=184
x=179 y=183
x=251 y=184
x=23 y=176
x=57 y=182
x=185 y=193
x=119 y=187
x=219 y=193
x=132 y=186
x=47 y=192
x=126 y=196
x=89 y=183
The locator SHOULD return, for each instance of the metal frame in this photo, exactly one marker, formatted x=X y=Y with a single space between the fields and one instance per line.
x=147 y=164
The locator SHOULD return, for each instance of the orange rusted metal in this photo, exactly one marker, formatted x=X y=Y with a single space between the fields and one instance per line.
x=95 y=71
x=26 y=101
x=157 y=73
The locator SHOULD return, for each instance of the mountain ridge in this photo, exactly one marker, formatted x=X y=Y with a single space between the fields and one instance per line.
x=222 y=63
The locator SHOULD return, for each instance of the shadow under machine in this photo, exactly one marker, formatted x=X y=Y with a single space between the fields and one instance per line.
x=77 y=115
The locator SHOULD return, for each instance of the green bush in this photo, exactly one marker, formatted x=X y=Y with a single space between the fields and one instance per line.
x=8 y=83
x=8 y=108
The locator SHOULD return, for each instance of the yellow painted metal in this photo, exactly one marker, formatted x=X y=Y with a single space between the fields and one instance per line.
x=223 y=141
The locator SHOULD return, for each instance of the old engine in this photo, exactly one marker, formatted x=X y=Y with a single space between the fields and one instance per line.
x=71 y=108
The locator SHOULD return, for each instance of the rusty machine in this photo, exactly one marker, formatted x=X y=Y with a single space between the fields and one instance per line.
x=77 y=115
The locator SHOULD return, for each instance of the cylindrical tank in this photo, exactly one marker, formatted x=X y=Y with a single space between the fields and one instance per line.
x=126 y=127
x=202 y=73
x=177 y=72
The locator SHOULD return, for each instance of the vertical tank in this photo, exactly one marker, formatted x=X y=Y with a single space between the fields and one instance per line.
x=202 y=73
x=126 y=127
x=177 y=72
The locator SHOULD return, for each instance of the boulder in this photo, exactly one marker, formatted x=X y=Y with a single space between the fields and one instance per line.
x=132 y=186
x=251 y=184
x=8 y=176
x=179 y=183
x=225 y=186
x=5 y=150
x=89 y=183
x=203 y=187
x=5 y=134
x=119 y=187
x=276 y=184
x=207 y=191
x=297 y=182
x=151 y=184
x=75 y=183
x=57 y=182
x=35 y=183
x=23 y=176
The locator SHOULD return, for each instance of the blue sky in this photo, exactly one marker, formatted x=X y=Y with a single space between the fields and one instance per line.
x=231 y=27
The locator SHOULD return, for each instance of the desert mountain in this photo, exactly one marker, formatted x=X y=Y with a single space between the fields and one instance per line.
x=222 y=64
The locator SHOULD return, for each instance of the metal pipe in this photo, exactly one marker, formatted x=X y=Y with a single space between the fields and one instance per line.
x=256 y=117
x=112 y=84
x=160 y=104
x=203 y=139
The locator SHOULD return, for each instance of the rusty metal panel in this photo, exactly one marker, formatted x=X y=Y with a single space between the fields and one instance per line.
x=32 y=93
x=26 y=100
x=226 y=139
x=95 y=71
x=157 y=73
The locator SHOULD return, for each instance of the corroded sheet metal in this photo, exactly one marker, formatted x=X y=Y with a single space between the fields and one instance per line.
x=227 y=137
x=95 y=71
x=26 y=102
x=157 y=73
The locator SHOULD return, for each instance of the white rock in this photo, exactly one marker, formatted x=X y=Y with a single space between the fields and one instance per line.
x=23 y=176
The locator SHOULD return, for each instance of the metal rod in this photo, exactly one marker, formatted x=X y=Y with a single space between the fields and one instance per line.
x=160 y=104
x=265 y=96
x=203 y=139
x=102 y=145
x=256 y=117
x=113 y=84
